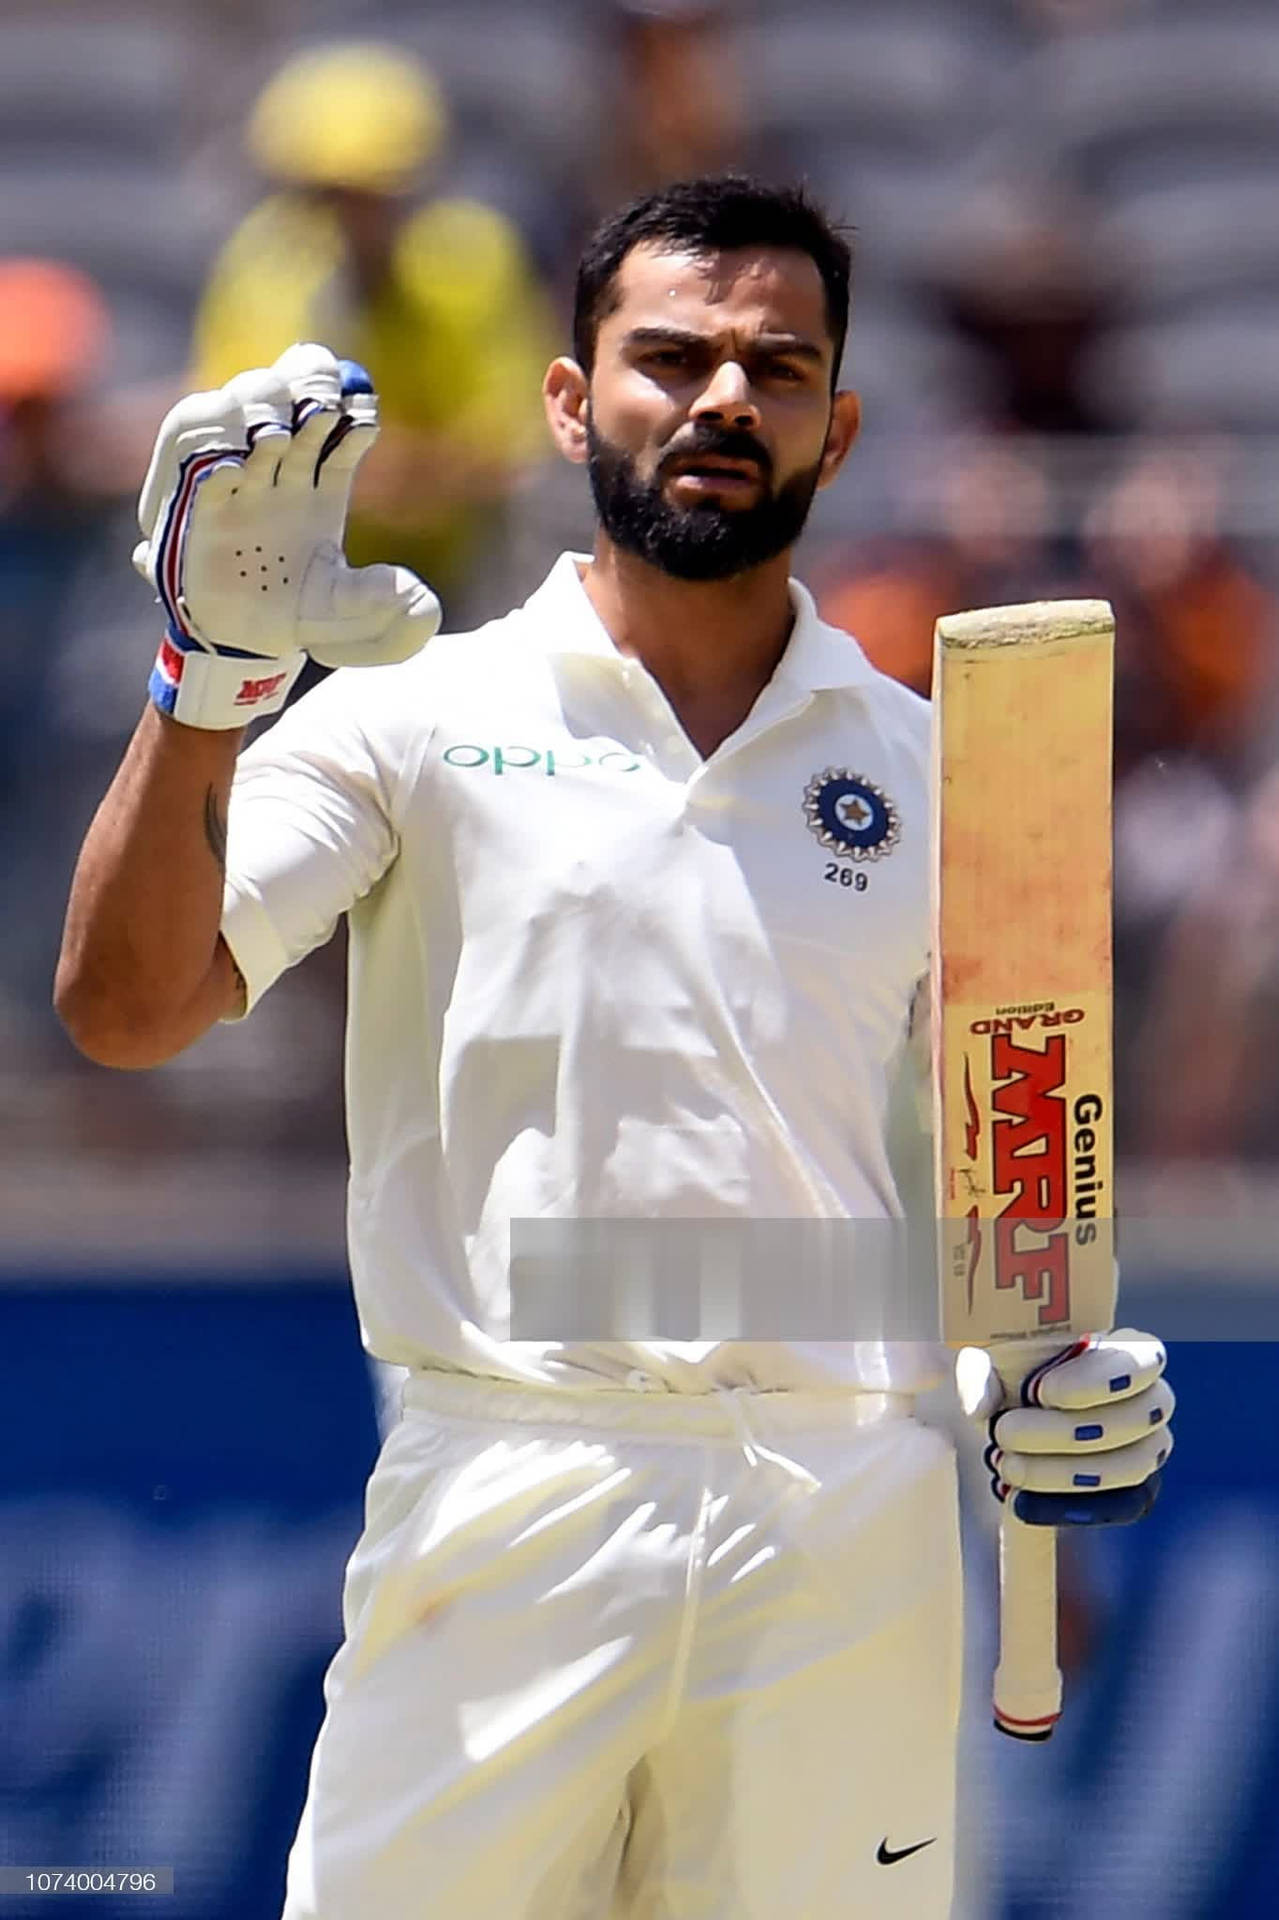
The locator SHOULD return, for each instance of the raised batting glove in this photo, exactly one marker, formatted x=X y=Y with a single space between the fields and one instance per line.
x=1084 y=1442
x=242 y=516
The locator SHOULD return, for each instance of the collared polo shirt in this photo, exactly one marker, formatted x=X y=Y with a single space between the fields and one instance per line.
x=594 y=976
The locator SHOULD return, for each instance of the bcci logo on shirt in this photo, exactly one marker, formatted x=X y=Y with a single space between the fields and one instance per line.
x=851 y=816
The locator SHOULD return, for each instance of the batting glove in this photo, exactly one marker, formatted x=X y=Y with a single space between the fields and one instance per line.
x=242 y=515
x=1084 y=1442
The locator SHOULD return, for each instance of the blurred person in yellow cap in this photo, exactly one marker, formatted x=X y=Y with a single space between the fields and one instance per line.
x=436 y=296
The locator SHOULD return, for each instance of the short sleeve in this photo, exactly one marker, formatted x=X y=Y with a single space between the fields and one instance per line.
x=309 y=832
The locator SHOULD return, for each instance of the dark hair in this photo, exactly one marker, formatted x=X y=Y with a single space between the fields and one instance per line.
x=714 y=214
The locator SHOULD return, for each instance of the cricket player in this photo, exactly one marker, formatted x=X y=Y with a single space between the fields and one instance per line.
x=637 y=886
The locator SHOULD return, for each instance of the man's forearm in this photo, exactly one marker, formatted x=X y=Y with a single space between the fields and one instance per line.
x=142 y=971
x=242 y=515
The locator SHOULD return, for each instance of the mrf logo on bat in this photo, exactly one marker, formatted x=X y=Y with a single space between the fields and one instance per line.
x=1033 y=1142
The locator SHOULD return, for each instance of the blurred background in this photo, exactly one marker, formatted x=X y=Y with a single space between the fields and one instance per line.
x=1066 y=335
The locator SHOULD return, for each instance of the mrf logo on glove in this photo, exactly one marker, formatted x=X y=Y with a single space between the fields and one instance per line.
x=265 y=693
x=243 y=513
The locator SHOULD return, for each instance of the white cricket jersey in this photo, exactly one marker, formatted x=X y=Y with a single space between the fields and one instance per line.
x=592 y=975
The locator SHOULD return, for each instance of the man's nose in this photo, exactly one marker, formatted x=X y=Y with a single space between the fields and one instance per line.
x=727 y=397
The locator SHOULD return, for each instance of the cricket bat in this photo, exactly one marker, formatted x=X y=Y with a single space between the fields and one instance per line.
x=1021 y=999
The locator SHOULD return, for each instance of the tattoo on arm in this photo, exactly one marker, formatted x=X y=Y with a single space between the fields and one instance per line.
x=215 y=827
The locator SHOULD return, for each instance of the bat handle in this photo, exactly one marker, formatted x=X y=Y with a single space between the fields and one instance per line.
x=1027 y=1679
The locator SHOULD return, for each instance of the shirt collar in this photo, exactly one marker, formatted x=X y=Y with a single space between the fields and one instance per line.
x=816 y=656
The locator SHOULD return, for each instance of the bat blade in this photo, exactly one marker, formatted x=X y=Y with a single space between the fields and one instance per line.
x=1021 y=989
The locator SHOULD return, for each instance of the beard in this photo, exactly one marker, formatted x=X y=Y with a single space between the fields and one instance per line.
x=705 y=541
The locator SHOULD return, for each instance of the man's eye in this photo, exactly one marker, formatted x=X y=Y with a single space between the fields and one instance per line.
x=668 y=357
x=785 y=370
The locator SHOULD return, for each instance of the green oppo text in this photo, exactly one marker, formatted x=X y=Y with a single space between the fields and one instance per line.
x=551 y=760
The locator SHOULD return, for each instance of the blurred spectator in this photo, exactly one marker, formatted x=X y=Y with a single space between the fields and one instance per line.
x=676 y=105
x=435 y=296
x=1197 y=630
x=1202 y=1081
x=673 y=104
x=1023 y=284
x=54 y=335
x=1197 y=880
x=989 y=502
x=54 y=331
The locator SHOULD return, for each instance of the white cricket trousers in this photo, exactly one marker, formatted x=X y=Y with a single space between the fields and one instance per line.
x=626 y=1655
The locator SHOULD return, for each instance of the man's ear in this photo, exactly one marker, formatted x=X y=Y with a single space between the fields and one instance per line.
x=566 y=397
x=845 y=423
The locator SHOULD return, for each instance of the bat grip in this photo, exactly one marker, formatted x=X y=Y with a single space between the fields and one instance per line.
x=1027 y=1679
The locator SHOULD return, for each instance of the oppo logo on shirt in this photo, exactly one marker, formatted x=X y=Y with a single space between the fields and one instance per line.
x=550 y=760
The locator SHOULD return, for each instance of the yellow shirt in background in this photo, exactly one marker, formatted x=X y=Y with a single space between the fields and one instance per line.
x=456 y=340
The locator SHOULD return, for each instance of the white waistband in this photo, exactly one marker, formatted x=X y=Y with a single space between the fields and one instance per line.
x=651 y=1408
